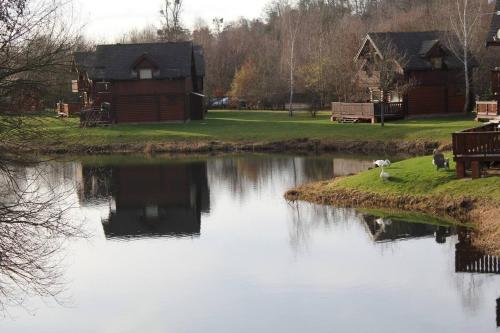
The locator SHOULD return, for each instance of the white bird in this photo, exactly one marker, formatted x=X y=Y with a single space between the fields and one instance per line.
x=383 y=222
x=384 y=175
x=382 y=163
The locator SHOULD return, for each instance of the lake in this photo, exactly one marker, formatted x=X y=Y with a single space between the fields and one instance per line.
x=210 y=245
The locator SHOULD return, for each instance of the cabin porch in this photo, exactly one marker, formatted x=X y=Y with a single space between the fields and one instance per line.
x=476 y=148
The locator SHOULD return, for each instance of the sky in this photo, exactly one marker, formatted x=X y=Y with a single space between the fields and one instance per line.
x=107 y=20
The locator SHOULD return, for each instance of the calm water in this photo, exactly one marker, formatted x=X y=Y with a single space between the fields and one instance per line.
x=210 y=245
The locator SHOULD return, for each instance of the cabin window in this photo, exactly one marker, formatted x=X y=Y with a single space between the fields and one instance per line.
x=145 y=74
x=152 y=212
x=437 y=63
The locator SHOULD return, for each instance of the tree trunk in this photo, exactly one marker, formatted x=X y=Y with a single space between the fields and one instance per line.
x=292 y=49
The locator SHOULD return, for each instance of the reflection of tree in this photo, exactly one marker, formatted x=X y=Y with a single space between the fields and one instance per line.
x=249 y=173
x=33 y=227
x=306 y=218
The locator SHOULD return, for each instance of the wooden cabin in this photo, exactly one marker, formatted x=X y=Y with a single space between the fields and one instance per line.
x=151 y=82
x=488 y=110
x=426 y=78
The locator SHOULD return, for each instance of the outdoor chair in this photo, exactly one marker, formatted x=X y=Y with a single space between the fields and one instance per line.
x=440 y=162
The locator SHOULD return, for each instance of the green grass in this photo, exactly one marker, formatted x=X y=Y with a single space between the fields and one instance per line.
x=417 y=176
x=257 y=126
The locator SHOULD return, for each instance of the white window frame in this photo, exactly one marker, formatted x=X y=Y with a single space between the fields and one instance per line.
x=145 y=74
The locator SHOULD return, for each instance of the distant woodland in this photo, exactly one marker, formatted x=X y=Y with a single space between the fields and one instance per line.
x=306 y=46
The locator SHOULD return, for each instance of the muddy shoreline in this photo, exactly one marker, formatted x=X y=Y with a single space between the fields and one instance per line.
x=482 y=214
x=387 y=148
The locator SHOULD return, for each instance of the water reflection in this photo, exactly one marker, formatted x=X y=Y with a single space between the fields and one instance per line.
x=34 y=224
x=150 y=200
x=247 y=254
x=389 y=230
x=469 y=259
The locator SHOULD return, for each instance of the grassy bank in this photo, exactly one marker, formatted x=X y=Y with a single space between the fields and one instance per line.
x=415 y=185
x=255 y=126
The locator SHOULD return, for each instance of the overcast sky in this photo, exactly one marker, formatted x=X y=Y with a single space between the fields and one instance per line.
x=107 y=20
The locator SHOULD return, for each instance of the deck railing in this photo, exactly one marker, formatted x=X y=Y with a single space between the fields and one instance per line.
x=390 y=109
x=487 y=108
x=476 y=145
x=369 y=111
x=353 y=109
x=482 y=140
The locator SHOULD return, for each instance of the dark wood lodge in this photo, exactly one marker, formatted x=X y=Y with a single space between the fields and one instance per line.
x=427 y=77
x=133 y=83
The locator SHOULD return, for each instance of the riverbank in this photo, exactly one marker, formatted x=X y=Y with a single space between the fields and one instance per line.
x=415 y=185
x=259 y=131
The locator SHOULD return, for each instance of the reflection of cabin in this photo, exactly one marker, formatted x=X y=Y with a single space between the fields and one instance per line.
x=158 y=200
x=389 y=230
x=487 y=110
x=426 y=78
x=151 y=200
x=469 y=259
x=152 y=82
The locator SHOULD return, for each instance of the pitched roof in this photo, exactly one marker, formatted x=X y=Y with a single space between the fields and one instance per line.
x=413 y=46
x=493 y=35
x=115 y=62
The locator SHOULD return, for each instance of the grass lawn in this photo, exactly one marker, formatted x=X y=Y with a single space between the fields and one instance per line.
x=417 y=176
x=262 y=126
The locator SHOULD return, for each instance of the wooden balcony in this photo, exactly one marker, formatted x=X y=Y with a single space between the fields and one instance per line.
x=487 y=110
x=355 y=112
x=476 y=146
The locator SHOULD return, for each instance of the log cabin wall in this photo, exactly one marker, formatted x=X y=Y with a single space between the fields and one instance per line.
x=149 y=100
x=436 y=92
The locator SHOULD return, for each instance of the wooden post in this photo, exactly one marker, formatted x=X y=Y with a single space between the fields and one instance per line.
x=382 y=111
x=476 y=170
x=460 y=169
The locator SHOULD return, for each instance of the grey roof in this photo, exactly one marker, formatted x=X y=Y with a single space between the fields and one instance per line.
x=413 y=46
x=115 y=62
x=495 y=27
x=427 y=46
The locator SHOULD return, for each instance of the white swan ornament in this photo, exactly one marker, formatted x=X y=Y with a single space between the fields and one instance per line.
x=382 y=163
x=384 y=175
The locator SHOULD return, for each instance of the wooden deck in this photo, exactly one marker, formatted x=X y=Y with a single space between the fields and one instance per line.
x=95 y=116
x=476 y=147
x=487 y=110
x=355 y=112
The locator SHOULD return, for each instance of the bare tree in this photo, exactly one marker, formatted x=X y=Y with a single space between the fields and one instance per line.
x=172 y=29
x=292 y=19
x=464 y=22
x=34 y=224
x=35 y=51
